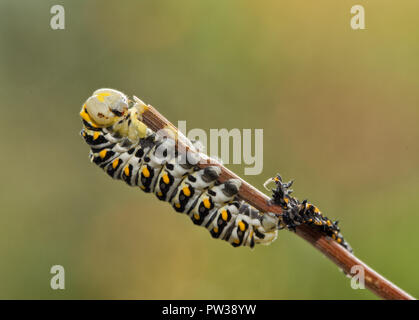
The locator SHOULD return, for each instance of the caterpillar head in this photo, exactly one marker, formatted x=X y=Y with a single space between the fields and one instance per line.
x=104 y=108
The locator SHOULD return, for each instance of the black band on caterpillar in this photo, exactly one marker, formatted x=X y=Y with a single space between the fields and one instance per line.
x=126 y=149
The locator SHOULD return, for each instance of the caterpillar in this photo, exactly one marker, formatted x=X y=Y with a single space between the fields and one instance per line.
x=126 y=149
x=296 y=213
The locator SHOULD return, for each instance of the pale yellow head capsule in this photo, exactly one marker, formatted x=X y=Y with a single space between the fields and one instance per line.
x=104 y=108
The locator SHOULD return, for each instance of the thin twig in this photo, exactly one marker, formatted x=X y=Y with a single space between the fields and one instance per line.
x=331 y=249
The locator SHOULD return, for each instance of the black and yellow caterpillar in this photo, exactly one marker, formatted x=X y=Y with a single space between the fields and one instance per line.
x=126 y=149
x=296 y=213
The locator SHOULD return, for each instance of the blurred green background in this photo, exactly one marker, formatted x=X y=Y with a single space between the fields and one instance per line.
x=339 y=109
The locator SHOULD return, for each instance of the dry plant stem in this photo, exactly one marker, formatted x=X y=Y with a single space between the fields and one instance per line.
x=331 y=249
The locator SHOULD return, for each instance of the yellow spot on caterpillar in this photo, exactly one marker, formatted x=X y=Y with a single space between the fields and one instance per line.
x=286 y=200
x=316 y=210
x=160 y=194
x=138 y=128
x=102 y=154
x=242 y=226
x=196 y=216
x=126 y=171
x=237 y=241
x=143 y=109
x=224 y=215
x=186 y=191
x=85 y=116
x=207 y=203
x=177 y=205
x=101 y=96
x=96 y=135
x=276 y=179
x=142 y=187
x=166 y=178
x=333 y=236
x=84 y=133
x=140 y=105
x=215 y=230
x=329 y=223
x=145 y=172
x=115 y=163
x=339 y=240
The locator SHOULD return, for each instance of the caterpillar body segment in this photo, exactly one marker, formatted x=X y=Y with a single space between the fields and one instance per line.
x=265 y=226
x=191 y=188
x=98 y=139
x=222 y=219
x=212 y=199
x=153 y=163
x=235 y=223
x=128 y=161
x=241 y=233
x=228 y=224
x=171 y=175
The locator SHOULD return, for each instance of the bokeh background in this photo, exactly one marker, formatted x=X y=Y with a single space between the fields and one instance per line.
x=339 y=109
